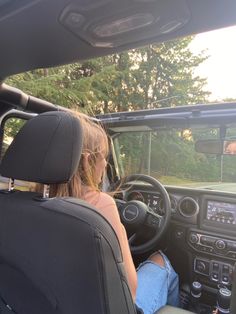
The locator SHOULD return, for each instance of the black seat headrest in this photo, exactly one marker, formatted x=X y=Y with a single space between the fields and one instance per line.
x=46 y=150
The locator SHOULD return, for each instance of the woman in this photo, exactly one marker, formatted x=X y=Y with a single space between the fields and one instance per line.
x=155 y=283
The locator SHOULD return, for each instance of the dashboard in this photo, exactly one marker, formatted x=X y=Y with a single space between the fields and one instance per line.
x=181 y=205
x=207 y=210
x=203 y=228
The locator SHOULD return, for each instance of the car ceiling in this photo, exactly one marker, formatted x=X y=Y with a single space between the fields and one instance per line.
x=45 y=33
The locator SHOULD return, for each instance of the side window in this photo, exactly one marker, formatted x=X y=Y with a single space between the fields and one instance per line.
x=11 y=127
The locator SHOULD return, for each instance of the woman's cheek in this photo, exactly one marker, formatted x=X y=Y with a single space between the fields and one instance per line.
x=100 y=168
x=98 y=173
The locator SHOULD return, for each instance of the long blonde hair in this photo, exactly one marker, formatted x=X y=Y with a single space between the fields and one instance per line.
x=95 y=143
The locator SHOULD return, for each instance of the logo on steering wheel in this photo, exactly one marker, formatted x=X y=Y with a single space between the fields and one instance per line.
x=130 y=213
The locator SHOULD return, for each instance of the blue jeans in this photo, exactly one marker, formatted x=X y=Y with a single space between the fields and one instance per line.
x=157 y=286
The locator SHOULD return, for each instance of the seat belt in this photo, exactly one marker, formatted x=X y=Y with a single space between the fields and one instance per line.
x=233 y=295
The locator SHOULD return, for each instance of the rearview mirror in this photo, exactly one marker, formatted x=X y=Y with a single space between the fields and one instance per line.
x=217 y=147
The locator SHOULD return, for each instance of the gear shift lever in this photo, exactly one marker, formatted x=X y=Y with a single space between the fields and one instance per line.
x=195 y=295
x=223 y=301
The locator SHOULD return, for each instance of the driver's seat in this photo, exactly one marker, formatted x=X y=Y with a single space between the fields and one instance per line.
x=57 y=256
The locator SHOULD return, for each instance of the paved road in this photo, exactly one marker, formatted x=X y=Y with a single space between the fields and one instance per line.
x=219 y=186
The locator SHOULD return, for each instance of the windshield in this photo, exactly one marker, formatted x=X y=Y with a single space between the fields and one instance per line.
x=169 y=155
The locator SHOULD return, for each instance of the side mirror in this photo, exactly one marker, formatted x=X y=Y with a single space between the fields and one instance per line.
x=217 y=147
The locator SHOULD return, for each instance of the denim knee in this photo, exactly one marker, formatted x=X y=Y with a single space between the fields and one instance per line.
x=157 y=286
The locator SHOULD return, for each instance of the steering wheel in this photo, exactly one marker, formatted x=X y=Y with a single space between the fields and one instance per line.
x=135 y=214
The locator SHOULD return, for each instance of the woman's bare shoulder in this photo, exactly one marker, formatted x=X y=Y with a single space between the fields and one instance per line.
x=107 y=207
x=104 y=203
x=107 y=199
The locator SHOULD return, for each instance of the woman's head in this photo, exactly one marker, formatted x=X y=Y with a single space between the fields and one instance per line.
x=94 y=153
x=92 y=163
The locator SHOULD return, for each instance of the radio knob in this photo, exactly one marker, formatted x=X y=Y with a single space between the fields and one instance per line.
x=193 y=238
x=220 y=244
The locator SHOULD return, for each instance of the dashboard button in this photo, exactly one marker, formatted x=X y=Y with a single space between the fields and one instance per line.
x=215 y=266
x=197 y=246
x=179 y=233
x=231 y=254
x=215 y=276
x=209 y=249
x=220 y=244
x=202 y=266
x=225 y=269
x=193 y=238
x=232 y=246
x=203 y=240
x=225 y=279
x=207 y=240
x=153 y=221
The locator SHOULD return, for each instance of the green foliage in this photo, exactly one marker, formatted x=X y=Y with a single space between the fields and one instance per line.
x=12 y=127
x=172 y=155
x=151 y=77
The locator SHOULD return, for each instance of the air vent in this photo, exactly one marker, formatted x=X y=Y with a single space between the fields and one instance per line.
x=188 y=207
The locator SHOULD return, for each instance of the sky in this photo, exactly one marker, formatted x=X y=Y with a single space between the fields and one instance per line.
x=220 y=68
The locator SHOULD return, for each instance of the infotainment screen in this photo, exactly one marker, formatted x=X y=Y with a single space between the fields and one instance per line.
x=221 y=212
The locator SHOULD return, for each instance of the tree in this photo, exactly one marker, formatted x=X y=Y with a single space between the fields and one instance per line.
x=151 y=77
x=165 y=76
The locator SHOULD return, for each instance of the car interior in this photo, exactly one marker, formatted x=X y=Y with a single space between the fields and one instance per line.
x=58 y=255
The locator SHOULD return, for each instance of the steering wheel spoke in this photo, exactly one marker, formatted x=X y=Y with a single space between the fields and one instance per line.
x=153 y=220
x=132 y=239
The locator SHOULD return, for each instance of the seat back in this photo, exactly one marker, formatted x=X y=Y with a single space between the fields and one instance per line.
x=57 y=256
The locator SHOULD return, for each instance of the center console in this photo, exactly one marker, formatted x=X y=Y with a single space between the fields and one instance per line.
x=203 y=242
x=214 y=243
x=216 y=271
